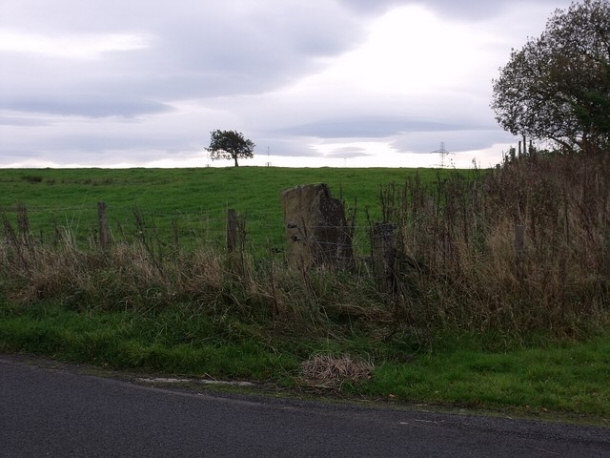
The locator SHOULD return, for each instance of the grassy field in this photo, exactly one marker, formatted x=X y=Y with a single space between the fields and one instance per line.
x=465 y=323
x=193 y=200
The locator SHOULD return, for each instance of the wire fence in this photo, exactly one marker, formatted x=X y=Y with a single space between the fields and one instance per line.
x=260 y=230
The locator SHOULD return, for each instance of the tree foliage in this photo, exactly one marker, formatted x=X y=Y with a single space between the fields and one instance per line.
x=230 y=144
x=558 y=86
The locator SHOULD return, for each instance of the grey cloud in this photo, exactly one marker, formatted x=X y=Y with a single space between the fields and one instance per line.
x=18 y=121
x=282 y=146
x=454 y=141
x=255 y=51
x=91 y=106
x=67 y=138
x=373 y=7
x=17 y=155
x=370 y=127
x=471 y=9
x=197 y=49
x=347 y=153
x=467 y=9
x=106 y=140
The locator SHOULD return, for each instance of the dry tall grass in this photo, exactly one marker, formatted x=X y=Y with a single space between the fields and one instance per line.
x=525 y=247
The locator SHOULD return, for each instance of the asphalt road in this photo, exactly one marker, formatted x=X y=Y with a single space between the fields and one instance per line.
x=59 y=412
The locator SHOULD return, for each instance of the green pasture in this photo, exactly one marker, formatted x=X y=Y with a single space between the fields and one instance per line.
x=187 y=205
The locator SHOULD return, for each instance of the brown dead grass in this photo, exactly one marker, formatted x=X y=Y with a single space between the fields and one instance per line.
x=331 y=371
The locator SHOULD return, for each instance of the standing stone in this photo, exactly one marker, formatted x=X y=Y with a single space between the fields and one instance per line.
x=316 y=229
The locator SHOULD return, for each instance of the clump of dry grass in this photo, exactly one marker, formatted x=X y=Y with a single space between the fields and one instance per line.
x=330 y=371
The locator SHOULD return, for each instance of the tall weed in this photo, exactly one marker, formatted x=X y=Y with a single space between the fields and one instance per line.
x=522 y=248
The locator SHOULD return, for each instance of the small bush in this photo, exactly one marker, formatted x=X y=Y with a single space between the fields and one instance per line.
x=32 y=178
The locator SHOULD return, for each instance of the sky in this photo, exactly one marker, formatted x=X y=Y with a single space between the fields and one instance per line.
x=337 y=83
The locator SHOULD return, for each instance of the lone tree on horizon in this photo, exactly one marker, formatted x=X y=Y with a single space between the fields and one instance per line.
x=229 y=144
x=557 y=86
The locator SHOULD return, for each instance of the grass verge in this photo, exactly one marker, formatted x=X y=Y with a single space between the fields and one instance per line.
x=542 y=378
x=562 y=378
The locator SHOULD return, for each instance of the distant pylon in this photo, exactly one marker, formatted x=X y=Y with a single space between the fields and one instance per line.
x=443 y=152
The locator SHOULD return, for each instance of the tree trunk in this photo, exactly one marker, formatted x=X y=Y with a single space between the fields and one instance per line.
x=235 y=158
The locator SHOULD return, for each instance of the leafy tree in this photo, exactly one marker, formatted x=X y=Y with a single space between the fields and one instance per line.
x=230 y=144
x=558 y=86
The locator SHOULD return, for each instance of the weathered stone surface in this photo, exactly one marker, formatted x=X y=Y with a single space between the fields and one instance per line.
x=316 y=229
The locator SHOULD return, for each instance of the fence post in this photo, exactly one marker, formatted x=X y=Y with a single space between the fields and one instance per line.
x=519 y=249
x=103 y=225
x=607 y=263
x=383 y=246
x=23 y=223
x=232 y=224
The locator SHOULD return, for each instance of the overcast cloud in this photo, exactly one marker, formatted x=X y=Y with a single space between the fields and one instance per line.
x=322 y=82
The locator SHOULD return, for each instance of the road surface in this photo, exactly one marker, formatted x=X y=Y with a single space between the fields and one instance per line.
x=48 y=411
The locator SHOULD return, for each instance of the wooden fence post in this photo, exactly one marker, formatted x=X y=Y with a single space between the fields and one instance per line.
x=23 y=223
x=232 y=224
x=383 y=246
x=607 y=263
x=103 y=225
